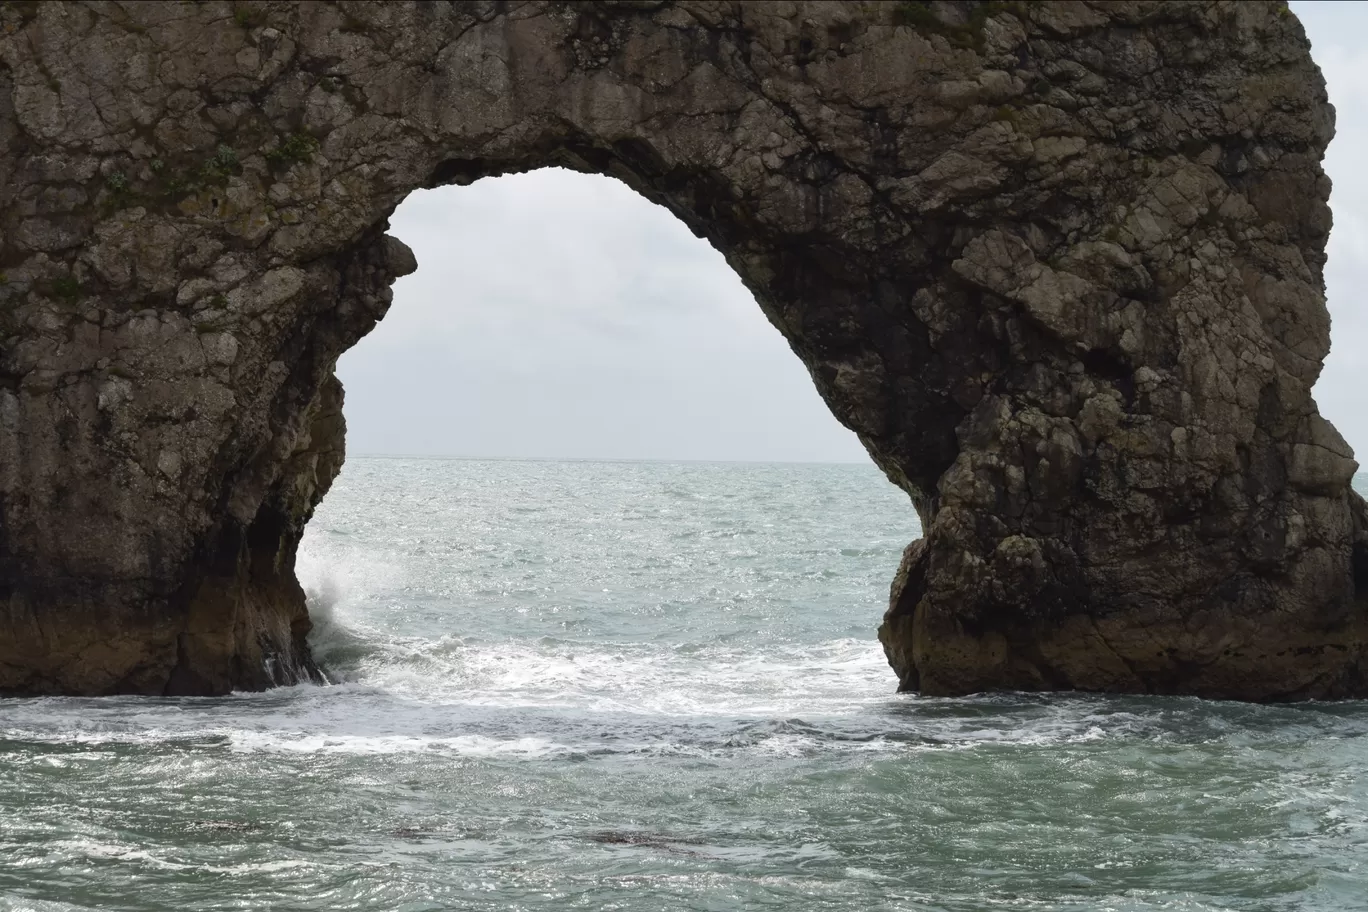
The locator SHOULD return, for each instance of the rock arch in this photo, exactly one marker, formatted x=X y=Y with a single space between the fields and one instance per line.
x=1058 y=264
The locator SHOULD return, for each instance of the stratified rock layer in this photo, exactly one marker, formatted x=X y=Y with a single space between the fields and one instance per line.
x=1058 y=264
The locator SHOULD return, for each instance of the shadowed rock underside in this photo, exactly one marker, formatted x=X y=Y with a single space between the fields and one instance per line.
x=1058 y=264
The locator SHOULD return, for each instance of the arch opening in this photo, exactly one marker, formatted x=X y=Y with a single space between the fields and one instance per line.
x=777 y=349
x=558 y=314
x=560 y=319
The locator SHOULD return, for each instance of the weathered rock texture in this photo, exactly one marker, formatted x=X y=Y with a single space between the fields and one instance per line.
x=1058 y=264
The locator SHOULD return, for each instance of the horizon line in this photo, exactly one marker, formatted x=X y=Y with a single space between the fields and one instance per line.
x=456 y=457
x=661 y=459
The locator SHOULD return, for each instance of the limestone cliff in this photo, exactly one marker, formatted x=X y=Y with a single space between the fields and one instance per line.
x=1058 y=264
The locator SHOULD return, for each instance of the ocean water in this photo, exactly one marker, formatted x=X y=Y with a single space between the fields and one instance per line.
x=645 y=686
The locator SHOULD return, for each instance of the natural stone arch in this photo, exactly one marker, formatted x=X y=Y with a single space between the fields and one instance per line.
x=1058 y=264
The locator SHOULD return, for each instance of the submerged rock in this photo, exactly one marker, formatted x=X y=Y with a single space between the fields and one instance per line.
x=1058 y=264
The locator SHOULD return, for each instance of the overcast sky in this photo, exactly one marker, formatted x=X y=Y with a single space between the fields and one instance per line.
x=560 y=314
x=1338 y=43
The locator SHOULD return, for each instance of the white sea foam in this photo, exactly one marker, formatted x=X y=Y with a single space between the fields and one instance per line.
x=14 y=904
x=127 y=854
x=556 y=700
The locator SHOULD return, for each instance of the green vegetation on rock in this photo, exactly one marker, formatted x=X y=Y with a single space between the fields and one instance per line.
x=66 y=288
x=247 y=17
x=919 y=16
x=299 y=147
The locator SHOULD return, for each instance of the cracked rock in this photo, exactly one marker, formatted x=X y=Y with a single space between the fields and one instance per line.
x=1061 y=273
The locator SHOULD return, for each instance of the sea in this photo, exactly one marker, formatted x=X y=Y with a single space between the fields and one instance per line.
x=649 y=686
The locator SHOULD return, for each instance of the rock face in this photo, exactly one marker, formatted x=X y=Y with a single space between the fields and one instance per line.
x=1058 y=264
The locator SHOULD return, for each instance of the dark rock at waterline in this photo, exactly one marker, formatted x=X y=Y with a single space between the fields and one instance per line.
x=1058 y=264
x=644 y=840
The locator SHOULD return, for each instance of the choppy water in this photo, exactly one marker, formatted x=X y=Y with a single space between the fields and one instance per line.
x=640 y=686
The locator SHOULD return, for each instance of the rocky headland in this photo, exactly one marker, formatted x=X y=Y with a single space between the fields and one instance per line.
x=1059 y=265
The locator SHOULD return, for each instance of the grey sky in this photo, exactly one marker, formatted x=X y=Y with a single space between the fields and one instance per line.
x=560 y=314
x=1336 y=31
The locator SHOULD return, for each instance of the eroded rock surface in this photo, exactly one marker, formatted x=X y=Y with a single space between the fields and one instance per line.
x=1058 y=264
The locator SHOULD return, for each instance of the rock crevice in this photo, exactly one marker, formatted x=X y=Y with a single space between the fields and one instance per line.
x=1058 y=264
